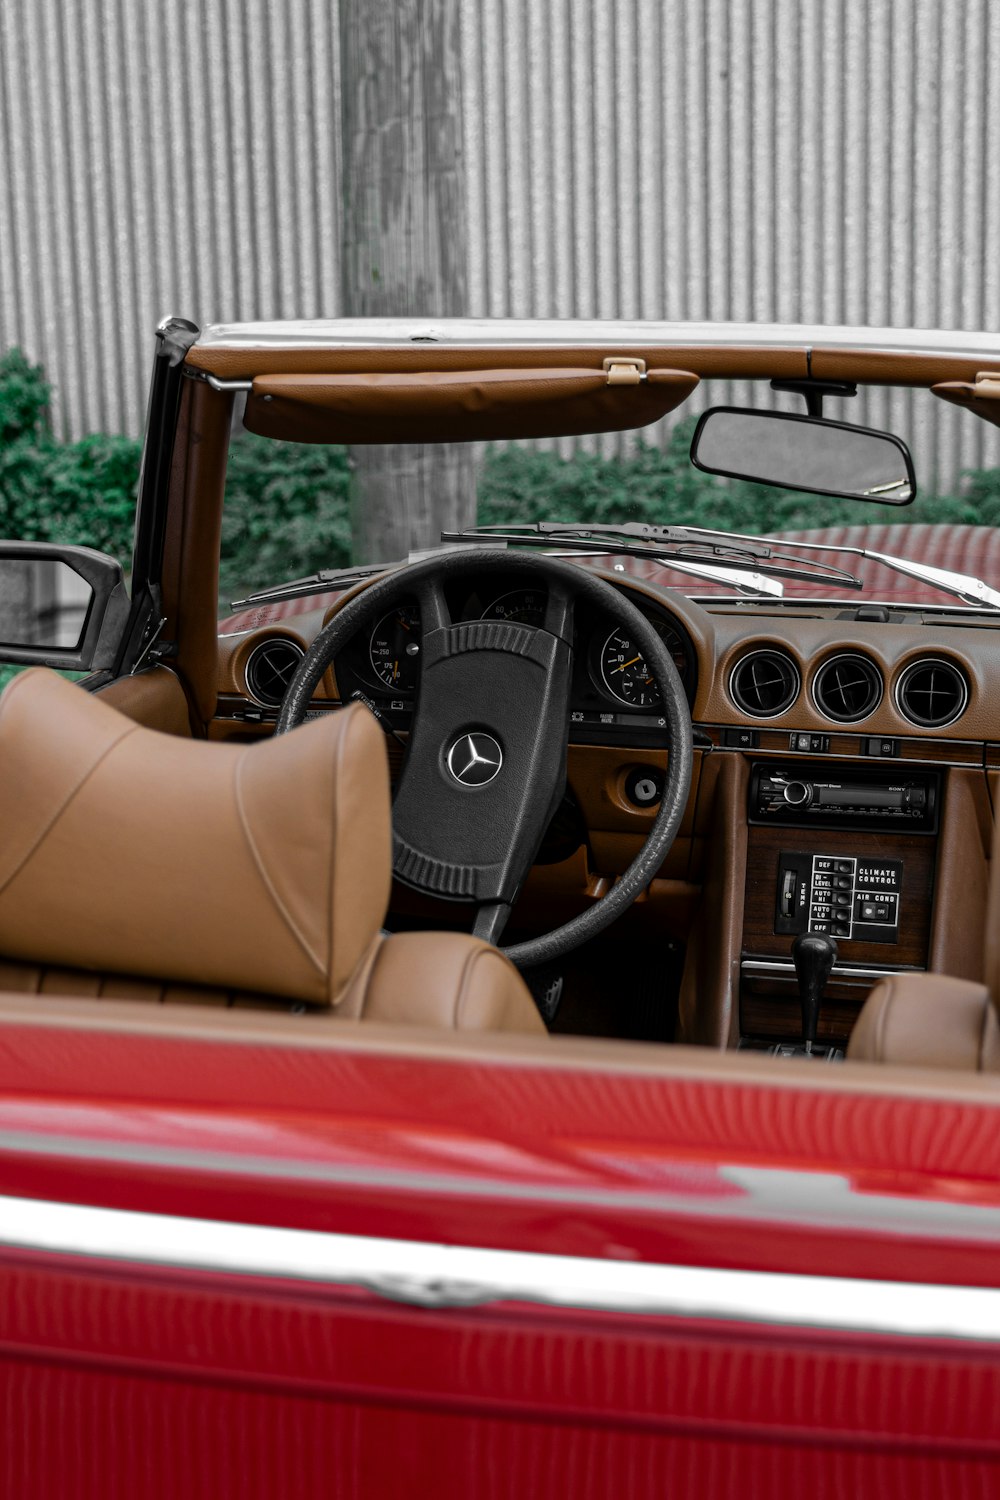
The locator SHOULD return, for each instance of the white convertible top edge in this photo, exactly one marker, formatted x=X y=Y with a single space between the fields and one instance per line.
x=345 y=333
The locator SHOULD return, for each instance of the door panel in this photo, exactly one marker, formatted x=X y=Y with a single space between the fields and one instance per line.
x=165 y=1377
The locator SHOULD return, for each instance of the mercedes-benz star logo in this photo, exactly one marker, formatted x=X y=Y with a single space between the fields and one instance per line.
x=475 y=759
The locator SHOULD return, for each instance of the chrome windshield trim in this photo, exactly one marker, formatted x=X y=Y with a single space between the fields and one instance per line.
x=438 y=1275
x=342 y=333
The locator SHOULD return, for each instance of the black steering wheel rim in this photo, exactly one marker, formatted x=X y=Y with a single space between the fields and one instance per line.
x=374 y=599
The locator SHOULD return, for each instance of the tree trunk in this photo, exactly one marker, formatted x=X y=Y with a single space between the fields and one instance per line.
x=404 y=250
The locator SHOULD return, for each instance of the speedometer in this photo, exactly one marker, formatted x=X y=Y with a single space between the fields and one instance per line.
x=394 y=648
x=624 y=669
x=526 y=606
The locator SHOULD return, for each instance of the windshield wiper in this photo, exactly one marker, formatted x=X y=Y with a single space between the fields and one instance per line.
x=747 y=562
x=743 y=579
x=961 y=585
x=743 y=546
x=312 y=584
x=709 y=554
x=964 y=586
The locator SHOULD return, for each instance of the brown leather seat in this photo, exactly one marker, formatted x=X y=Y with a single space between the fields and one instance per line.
x=933 y=1020
x=139 y=865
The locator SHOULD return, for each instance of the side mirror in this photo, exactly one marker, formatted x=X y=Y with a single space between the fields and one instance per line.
x=63 y=607
x=804 y=453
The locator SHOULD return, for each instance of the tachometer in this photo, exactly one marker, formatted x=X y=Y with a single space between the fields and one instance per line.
x=624 y=669
x=526 y=606
x=394 y=648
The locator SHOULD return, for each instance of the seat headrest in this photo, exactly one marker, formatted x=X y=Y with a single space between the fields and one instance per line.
x=253 y=867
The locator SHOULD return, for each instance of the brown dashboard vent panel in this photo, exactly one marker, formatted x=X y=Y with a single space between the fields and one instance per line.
x=458 y=405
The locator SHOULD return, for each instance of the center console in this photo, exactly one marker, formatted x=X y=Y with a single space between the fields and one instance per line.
x=845 y=853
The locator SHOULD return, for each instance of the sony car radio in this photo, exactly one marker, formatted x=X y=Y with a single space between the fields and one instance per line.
x=809 y=796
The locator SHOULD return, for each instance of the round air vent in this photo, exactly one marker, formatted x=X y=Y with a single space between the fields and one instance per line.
x=931 y=693
x=847 y=688
x=764 y=684
x=270 y=668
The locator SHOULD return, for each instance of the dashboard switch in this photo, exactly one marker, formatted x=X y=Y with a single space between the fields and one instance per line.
x=814 y=744
x=881 y=748
x=741 y=739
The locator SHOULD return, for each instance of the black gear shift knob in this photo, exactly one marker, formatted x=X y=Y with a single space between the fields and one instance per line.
x=814 y=956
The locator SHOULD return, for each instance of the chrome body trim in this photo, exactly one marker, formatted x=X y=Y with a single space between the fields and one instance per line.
x=228 y=385
x=820 y=1200
x=615 y=334
x=437 y=1275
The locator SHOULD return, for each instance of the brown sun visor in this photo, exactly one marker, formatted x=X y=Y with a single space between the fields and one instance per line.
x=981 y=396
x=448 y=406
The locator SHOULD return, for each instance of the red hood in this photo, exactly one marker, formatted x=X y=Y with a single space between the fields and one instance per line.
x=962 y=549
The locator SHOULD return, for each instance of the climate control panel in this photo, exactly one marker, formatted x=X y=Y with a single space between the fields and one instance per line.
x=845 y=896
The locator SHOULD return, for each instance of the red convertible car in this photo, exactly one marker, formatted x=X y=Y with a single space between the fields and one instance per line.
x=520 y=1019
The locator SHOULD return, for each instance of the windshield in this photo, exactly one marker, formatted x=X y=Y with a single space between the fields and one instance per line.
x=293 y=510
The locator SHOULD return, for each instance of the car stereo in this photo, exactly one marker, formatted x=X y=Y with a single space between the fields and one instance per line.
x=816 y=796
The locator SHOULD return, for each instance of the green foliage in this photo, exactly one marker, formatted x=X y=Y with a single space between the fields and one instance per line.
x=287 y=513
x=24 y=398
x=981 y=496
x=61 y=492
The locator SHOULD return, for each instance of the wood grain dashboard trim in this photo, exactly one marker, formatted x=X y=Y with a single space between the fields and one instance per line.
x=933 y=752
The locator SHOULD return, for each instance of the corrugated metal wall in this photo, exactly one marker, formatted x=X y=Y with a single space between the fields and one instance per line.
x=772 y=160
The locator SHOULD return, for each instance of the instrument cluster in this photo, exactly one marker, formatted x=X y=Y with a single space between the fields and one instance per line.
x=609 y=671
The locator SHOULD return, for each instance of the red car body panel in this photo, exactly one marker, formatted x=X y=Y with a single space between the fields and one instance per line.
x=161 y=1380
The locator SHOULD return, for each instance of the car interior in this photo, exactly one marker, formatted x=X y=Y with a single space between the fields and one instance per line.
x=497 y=791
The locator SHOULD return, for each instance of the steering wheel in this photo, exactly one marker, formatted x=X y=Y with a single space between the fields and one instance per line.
x=485 y=765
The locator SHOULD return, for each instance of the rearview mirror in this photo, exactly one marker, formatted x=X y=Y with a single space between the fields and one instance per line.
x=804 y=453
x=63 y=607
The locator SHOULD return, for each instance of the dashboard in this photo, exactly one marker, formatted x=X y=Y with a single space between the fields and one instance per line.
x=612 y=688
x=816 y=679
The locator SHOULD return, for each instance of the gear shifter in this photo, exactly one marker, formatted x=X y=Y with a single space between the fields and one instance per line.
x=814 y=956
